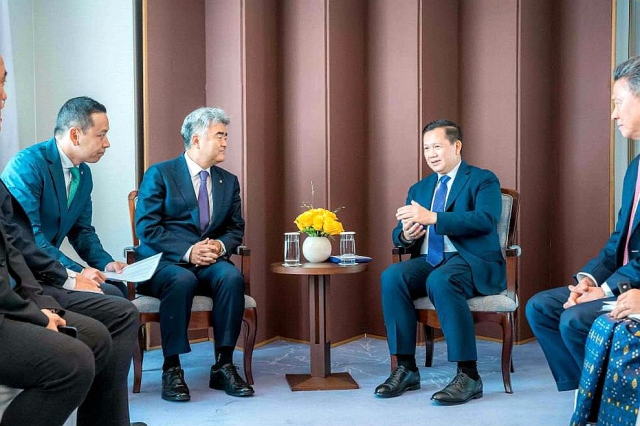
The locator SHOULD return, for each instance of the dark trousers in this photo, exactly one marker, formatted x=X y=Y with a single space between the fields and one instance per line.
x=107 y=403
x=55 y=370
x=562 y=333
x=448 y=286
x=176 y=286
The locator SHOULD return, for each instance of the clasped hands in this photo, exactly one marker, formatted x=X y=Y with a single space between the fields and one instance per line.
x=414 y=217
x=205 y=252
x=586 y=290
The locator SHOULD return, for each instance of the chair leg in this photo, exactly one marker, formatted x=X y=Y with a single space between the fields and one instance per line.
x=138 y=355
x=428 y=345
x=250 y=321
x=507 y=347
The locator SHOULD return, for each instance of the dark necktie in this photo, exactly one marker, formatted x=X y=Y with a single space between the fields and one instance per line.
x=435 y=255
x=73 y=185
x=203 y=201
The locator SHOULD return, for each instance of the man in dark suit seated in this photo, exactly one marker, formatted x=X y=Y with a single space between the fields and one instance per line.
x=53 y=183
x=561 y=317
x=189 y=209
x=449 y=223
x=58 y=373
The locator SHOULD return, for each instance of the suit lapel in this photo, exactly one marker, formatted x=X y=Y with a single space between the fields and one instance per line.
x=57 y=175
x=458 y=183
x=632 y=195
x=182 y=179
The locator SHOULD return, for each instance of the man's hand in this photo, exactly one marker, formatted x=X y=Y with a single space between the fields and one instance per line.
x=584 y=291
x=54 y=320
x=93 y=274
x=86 y=284
x=412 y=231
x=628 y=303
x=205 y=252
x=417 y=214
x=116 y=267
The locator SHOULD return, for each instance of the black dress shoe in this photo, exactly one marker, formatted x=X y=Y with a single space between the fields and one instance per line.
x=461 y=389
x=228 y=380
x=174 y=388
x=138 y=424
x=401 y=379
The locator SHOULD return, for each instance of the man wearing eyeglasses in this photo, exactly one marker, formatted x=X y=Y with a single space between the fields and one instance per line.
x=189 y=209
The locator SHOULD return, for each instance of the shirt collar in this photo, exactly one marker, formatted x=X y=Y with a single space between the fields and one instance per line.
x=194 y=168
x=452 y=174
x=66 y=162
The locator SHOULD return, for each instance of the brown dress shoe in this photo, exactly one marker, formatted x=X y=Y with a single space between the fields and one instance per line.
x=227 y=379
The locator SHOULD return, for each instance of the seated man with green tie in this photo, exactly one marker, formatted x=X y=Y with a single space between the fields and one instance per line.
x=52 y=182
x=449 y=224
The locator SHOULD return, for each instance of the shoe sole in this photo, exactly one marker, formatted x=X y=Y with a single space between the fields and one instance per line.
x=177 y=398
x=474 y=396
x=410 y=388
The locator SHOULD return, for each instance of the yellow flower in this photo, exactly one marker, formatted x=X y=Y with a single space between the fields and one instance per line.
x=319 y=222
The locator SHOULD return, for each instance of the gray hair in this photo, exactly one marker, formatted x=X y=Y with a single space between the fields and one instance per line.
x=629 y=69
x=198 y=122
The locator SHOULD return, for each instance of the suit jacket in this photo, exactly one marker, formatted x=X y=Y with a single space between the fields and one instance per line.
x=470 y=221
x=607 y=266
x=167 y=211
x=25 y=301
x=35 y=178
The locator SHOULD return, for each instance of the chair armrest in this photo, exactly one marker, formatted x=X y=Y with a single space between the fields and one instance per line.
x=243 y=251
x=513 y=251
x=129 y=255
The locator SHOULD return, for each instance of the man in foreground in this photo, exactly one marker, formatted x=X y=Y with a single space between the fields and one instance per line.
x=449 y=224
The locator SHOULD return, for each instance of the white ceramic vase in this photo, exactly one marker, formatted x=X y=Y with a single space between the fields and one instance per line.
x=316 y=249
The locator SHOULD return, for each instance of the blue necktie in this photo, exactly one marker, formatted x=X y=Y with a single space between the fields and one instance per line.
x=203 y=201
x=435 y=256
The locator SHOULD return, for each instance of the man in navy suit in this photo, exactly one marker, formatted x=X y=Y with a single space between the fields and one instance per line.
x=562 y=317
x=449 y=223
x=52 y=182
x=189 y=209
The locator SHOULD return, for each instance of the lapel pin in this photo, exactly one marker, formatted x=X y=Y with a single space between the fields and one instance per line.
x=220 y=180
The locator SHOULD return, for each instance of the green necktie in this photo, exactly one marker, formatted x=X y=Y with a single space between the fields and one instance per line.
x=73 y=185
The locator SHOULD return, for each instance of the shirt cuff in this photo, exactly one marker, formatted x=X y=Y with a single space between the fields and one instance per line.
x=581 y=275
x=187 y=255
x=223 y=249
x=70 y=283
x=607 y=290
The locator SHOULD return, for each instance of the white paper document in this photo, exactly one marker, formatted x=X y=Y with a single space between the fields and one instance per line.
x=137 y=272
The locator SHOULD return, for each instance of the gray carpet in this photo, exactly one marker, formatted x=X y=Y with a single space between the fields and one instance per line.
x=535 y=400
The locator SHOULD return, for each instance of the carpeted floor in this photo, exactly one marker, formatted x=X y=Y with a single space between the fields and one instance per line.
x=535 y=400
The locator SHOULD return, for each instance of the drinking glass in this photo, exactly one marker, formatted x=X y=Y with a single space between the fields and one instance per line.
x=347 y=248
x=291 y=249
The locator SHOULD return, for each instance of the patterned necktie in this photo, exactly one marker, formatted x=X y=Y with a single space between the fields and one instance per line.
x=203 y=201
x=631 y=220
x=73 y=185
x=610 y=374
x=435 y=255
